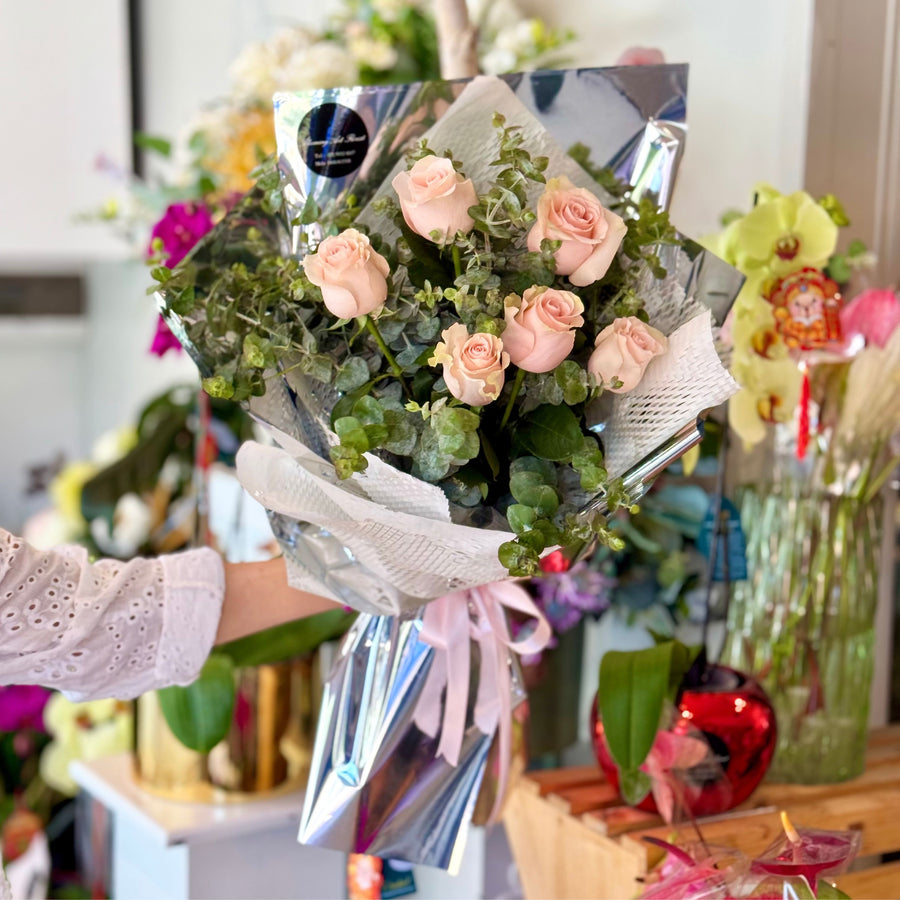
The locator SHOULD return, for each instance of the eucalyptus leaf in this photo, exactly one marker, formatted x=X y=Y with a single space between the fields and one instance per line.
x=200 y=714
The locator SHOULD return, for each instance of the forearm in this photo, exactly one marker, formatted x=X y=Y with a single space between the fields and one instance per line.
x=258 y=596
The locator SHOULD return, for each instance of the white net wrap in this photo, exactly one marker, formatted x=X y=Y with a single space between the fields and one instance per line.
x=675 y=389
x=403 y=549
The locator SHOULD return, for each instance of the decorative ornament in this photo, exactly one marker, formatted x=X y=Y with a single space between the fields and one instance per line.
x=807 y=306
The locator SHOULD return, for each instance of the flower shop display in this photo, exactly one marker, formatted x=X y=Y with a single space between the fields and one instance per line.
x=679 y=735
x=430 y=366
x=819 y=377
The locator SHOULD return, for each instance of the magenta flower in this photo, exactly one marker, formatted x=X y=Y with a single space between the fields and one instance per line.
x=874 y=314
x=163 y=340
x=22 y=706
x=182 y=225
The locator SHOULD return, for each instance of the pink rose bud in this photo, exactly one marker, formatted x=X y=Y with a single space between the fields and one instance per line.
x=352 y=276
x=641 y=56
x=435 y=197
x=540 y=328
x=590 y=234
x=874 y=314
x=473 y=365
x=622 y=352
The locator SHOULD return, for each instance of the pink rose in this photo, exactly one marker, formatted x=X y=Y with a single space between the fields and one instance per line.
x=473 y=366
x=641 y=56
x=435 y=197
x=874 y=314
x=539 y=332
x=622 y=352
x=589 y=233
x=352 y=276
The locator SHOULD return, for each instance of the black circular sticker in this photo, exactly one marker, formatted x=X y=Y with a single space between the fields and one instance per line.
x=333 y=140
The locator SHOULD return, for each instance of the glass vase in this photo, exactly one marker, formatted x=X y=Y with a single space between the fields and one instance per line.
x=804 y=621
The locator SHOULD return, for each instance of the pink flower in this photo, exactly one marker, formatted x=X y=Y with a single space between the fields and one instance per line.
x=874 y=314
x=182 y=225
x=163 y=340
x=352 y=276
x=590 y=234
x=539 y=332
x=22 y=706
x=671 y=752
x=473 y=365
x=622 y=353
x=435 y=197
x=641 y=56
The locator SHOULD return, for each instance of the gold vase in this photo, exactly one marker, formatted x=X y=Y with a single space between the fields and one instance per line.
x=267 y=750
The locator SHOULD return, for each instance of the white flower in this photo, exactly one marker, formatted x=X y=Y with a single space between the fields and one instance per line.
x=323 y=65
x=132 y=519
x=390 y=10
x=378 y=55
x=511 y=44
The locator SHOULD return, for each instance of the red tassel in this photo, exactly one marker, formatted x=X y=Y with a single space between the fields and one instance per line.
x=803 y=417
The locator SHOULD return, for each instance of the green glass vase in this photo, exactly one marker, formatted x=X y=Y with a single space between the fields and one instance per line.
x=804 y=622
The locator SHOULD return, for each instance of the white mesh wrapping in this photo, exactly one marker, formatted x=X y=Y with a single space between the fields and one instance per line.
x=676 y=388
x=403 y=545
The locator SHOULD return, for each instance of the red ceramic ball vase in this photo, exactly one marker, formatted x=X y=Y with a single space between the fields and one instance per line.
x=734 y=715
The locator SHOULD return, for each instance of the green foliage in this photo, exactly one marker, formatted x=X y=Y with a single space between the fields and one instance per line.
x=634 y=687
x=200 y=714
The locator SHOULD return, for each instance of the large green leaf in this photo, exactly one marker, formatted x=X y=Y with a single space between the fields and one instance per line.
x=288 y=641
x=200 y=714
x=633 y=687
x=551 y=432
x=135 y=472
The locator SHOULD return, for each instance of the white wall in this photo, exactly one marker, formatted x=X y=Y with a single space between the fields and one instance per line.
x=747 y=90
x=64 y=100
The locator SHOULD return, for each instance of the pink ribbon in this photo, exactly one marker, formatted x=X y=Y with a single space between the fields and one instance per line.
x=448 y=624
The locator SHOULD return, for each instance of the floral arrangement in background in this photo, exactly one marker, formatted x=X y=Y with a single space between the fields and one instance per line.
x=41 y=733
x=801 y=353
x=200 y=175
x=137 y=493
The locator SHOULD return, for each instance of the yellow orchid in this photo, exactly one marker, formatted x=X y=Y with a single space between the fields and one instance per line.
x=82 y=731
x=65 y=491
x=783 y=233
x=770 y=390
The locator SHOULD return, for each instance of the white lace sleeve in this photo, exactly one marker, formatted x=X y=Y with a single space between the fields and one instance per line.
x=108 y=629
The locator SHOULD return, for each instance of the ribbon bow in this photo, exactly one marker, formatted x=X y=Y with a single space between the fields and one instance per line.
x=448 y=624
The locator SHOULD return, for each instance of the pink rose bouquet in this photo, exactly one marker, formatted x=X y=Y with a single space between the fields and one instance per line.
x=461 y=323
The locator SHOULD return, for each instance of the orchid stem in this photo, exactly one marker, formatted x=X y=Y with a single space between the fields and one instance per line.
x=517 y=384
x=385 y=351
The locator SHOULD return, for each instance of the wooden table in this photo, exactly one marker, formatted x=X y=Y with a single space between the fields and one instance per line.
x=573 y=838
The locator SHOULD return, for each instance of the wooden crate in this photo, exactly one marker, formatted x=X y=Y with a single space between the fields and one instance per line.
x=572 y=837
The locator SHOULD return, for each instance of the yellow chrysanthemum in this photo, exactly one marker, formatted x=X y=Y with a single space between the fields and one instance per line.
x=249 y=136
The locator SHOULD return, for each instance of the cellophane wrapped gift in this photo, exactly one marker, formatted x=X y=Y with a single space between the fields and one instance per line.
x=412 y=525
